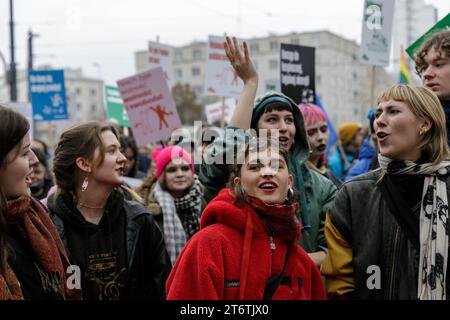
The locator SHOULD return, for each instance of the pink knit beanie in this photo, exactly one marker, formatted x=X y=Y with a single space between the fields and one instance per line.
x=162 y=156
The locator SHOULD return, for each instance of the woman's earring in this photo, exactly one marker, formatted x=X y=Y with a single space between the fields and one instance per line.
x=85 y=184
x=290 y=194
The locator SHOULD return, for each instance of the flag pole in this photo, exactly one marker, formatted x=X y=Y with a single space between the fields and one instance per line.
x=372 y=88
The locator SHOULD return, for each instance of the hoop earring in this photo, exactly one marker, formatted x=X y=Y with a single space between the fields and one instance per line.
x=85 y=184
x=290 y=195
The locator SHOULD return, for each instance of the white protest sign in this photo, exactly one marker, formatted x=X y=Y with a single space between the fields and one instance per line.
x=150 y=106
x=376 y=32
x=213 y=111
x=160 y=55
x=221 y=79
x=25 y=109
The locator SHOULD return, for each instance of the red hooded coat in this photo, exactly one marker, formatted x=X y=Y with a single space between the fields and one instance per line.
x=231 y=258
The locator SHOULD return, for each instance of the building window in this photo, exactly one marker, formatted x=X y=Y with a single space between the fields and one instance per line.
x=273 y=64
x=93 y=108
x=355 y=75
x=273 y=45
x=78 y=91
x=178 y=74
x=295 y=41
x=78 y=107
x=195 y=72
x=254 y=48
x=93 y=92
x=178 y=56
x=318 y=79
x=197 y=54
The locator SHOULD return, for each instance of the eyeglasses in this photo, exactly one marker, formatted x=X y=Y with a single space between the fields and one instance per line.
x=311 y=132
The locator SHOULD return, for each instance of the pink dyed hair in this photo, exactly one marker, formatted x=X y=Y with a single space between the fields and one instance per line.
x=312 y=113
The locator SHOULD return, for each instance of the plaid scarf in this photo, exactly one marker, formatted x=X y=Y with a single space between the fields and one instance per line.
x=175 y=235
x=279 y=219
x=189 y=209
x=30 y=220
x=433 y=224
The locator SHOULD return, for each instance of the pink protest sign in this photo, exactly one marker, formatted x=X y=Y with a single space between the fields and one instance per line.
x=149 y=106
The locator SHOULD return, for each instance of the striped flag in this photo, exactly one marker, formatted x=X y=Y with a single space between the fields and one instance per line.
x=405 y=77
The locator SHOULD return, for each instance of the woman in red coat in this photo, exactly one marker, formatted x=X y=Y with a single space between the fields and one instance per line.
x=247 y=246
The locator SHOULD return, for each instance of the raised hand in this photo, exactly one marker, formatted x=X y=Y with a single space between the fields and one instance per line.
x=239 y=57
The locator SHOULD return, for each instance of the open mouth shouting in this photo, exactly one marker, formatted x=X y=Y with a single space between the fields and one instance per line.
x=284 y=142
x=268 y=186
x=381 y=136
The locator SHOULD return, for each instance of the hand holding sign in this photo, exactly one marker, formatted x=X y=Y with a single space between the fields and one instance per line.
x=240 y=60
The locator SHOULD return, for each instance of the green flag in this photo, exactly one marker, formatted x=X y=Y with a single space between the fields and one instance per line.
x=442 y=24
x=115 y=107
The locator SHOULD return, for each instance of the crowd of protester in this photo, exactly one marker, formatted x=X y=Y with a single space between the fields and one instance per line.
x=282 y=221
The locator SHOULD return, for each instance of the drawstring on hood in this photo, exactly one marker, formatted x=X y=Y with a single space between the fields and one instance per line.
x=245 y=219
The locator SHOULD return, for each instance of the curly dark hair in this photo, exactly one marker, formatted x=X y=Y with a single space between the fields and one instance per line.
x=440 y=41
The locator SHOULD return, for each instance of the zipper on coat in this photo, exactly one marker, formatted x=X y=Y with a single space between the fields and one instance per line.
x=272 y=243
x=394 y=263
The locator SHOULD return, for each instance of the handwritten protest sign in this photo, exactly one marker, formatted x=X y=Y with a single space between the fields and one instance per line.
x=150 y=106
x=220 y=79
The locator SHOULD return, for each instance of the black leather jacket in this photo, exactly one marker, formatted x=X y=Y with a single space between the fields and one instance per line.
x=148 y=262
x=363 y=223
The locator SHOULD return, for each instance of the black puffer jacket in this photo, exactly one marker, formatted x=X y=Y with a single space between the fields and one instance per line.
x=365 y=242
x=148 y=264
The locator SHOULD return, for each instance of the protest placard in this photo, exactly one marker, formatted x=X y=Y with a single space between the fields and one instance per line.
x=160 y=55
x=213 y=111
x=297 y=68
x=115 y=109
x=47 y=92
x=376 y=32
x=150 y=106
x=220 y=78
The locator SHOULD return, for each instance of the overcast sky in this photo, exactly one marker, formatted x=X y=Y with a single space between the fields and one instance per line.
x=101 y=36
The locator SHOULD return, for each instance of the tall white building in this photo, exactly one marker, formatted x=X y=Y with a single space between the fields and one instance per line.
x=412 y=18
x=85 y=94
x=341 y=81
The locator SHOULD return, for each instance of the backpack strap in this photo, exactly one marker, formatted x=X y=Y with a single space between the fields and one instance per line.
x=274 y=281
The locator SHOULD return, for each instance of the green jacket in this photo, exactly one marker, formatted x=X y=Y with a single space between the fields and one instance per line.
x=318 y=193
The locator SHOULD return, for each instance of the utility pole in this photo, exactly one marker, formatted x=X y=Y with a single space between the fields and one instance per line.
x=31 y=35
x=12 y=68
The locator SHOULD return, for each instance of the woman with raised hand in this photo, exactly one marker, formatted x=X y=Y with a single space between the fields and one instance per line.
x=274 y=115
x=387 y=230
x=115 y=241
x=247 y=247
x=33 y=261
